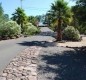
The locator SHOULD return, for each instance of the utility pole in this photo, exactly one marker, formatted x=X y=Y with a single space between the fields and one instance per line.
x=21 y=3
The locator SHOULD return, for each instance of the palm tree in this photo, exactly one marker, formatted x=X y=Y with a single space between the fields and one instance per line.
x=62 y=13
x=20 y=17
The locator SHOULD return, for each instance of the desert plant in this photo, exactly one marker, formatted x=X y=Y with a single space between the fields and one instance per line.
x=10 y=29
x=81 y=28
x=30 y=29
x=85 y=32
x=20 y=17
x=62 y=13
x=70 y=33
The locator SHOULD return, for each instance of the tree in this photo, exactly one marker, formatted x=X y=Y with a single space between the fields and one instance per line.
x=62 y=13
x=33 y=20
x=79 y=11
x=6 y=17
x=47 y=19
x=38 y=18
x=1 y=10
x=20 y=17
x=51 y=19
x=3 y=17
x=1 y=13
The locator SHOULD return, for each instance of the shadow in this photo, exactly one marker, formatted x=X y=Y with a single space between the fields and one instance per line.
x=69 y=65
x=79 y=49
x=37 y=43
x=48 y=33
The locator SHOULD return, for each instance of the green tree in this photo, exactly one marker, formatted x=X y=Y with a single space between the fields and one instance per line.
x=3 y=17
x=38 y=17
x=20 y=17
x=33 y=20
x=48 y=18
x=62 y=12
x=79 y=11
x=51 y=20
x=6 y=17
x=1 y=13
x=1 y=10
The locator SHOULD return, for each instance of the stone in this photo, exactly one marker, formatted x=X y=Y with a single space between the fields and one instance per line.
x=9 y=71
x=10 y=76
x=4 y=74
x=33 y=65
x=16 y=74
x=28 y=63
x=28 y=72
x=10 y=79
x=24 y=74
x=23 y=78
x=2 y=78
x=21 y=68
x=27 y=68
x=34 y=73
x=17 y=78
x=34 y=61
x=32 y=78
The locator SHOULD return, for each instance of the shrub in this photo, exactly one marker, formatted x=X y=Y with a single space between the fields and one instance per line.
x=30 y=29
x=10 y=29
x=53 y=26
x=81 y=28
x=70 y=33
x=85 y=32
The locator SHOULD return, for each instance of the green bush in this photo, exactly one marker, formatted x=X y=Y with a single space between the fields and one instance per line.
x=30 y=29
x=85 y=32
x=70 y=33
x=10 y=29
x=81 y=28
x=53 y=26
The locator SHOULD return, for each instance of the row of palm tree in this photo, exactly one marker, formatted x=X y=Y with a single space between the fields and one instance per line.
x=60 y=14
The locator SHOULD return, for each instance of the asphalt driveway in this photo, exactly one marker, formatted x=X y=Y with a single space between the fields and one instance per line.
x=10 y=48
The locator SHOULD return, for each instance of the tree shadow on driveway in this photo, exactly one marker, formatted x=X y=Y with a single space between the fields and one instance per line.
x=37 y=43
x=48 y=33
x=69 y=65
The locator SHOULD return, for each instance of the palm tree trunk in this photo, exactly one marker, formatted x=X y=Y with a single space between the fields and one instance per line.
x=22 y=27
x=59 y=31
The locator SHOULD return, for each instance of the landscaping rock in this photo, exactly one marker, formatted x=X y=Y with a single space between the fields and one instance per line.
x=23 y=66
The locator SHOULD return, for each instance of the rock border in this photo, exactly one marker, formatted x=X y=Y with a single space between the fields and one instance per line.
x=23 y=66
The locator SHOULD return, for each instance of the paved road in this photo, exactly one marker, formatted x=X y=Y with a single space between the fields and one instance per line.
x=10 y=48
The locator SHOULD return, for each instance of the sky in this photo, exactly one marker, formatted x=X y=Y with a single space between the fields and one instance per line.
x=31 y=7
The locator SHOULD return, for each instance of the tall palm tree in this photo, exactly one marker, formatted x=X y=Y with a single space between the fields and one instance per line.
x=20 y=17
x=62 y=12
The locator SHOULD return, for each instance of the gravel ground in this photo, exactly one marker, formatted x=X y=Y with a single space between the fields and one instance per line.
x=74 y=44
x=23 y=66
x=60 y=63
